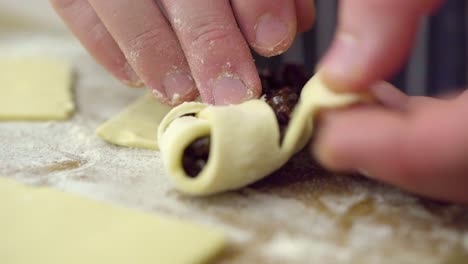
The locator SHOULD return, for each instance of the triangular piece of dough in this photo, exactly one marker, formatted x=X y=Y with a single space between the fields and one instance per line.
x=34 y=88
x=41 y=225
x=137 y=125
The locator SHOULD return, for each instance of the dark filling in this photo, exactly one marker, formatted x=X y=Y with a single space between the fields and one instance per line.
x=281 y=88
x=196 y=156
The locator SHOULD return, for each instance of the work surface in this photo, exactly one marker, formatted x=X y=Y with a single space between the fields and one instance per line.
x=300 y=214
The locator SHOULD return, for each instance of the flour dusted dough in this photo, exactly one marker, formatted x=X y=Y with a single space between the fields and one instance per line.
x=41 y=225
x=35 y=88
x=245 y=138
x=137 y=125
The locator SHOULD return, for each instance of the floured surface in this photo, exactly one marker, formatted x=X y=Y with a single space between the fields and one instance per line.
x=43 y=225
x=35 y=88
x=299 y=215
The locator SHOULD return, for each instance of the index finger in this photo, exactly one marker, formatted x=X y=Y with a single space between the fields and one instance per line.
x=217 y=53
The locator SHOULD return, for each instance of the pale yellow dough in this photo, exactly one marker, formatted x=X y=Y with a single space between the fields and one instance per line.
x=245 y=138
x=137 y=125
x=41 y=225
x=35 y=88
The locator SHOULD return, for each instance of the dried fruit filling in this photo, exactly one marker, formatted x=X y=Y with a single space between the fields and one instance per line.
x=281 y=89
x=196 y=156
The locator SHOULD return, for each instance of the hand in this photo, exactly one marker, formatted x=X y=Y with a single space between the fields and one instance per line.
x=199 y=45
x=373 y=40
x=417 y=143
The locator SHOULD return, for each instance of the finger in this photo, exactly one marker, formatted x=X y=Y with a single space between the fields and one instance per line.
x=88 y=28
x=269 y=26
x=389 y=96
x=217 y=53
x=305 y=12
x=150 y=46
x=423 y=151
x=373 y=39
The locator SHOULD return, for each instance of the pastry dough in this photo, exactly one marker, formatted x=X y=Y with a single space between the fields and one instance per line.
x=35 y=88
x=40 y=225
x=245 y=138
x=137 y=125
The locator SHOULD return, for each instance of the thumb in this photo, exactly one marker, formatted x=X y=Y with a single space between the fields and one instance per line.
x=372 y=41
x=421 y=148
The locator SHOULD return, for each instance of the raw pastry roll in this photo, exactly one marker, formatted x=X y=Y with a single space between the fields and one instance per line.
x=238 y=144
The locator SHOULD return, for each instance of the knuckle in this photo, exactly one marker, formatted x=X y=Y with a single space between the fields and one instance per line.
x=211 y=31
x=147 y=39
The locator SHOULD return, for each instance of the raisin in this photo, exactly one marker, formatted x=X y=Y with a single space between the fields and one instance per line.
x=282 y=113
x=282 y=101
x=282 y=88
x=196 y=156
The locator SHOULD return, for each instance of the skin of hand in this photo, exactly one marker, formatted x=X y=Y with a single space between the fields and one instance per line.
x=416 y=143
x=372 y=41
x=184 y=48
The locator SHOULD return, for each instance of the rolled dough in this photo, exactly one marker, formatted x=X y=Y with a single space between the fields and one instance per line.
x=137 y=125
x=245 y=138
x=41 y=225
x=35 y=88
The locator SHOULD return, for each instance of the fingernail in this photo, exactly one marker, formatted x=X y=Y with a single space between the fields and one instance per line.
x=342 y=65
x=178 y=85
x=132 y=77
x=271 y=31
x=389 y=96
x=230 y=90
